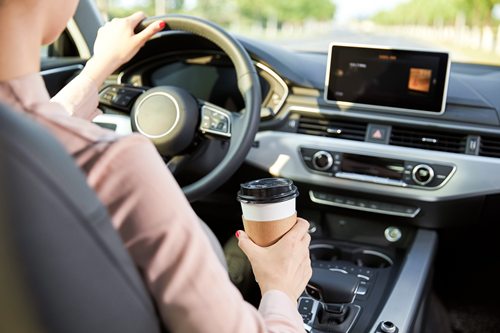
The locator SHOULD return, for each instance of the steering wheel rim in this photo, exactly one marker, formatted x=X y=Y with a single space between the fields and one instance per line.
x=244 y=132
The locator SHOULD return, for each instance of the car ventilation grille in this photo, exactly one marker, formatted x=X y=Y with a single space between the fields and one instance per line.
x=490 y=146
x=341 y=129
x=425 y=139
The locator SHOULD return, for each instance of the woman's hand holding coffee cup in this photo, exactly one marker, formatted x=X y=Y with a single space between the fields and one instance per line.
x=283 y=266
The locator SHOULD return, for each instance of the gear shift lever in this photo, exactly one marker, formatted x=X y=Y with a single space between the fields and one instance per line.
x=333 y=287
x=335 y=291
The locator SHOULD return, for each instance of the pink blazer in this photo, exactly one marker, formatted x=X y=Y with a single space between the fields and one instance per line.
x=154 y=219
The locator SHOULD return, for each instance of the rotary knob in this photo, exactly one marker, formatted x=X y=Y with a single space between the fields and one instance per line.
x=422 y=174
x=322 y=160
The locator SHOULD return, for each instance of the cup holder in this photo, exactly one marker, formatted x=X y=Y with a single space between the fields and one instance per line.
x=324 y=252
x=371 y=259
x=358 y=257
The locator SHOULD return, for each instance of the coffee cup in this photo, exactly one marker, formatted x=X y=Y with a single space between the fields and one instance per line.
x=268 y=207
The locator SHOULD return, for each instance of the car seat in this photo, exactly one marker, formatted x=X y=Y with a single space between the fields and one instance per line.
x=63 y=266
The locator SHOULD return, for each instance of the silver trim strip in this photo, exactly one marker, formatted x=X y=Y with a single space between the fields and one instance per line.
x=403 y=303
x=80 y=43
x=371 y=179
x=321 y=246
x=280 y=156
x=364 y=209
x=122 y=123
x=379 y=254
x=347 y=105
x=280 y=81
x=61 y=69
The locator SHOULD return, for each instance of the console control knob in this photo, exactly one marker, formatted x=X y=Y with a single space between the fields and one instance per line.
x=387 y=327
x=422 y=174
x=392 y=234
x=322 y=160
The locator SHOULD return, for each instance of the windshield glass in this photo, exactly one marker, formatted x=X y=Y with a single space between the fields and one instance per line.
x=467 y=29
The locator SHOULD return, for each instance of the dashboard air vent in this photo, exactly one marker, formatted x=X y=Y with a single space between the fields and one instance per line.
x=431 y=140
x=340 y=129
x=490 y=146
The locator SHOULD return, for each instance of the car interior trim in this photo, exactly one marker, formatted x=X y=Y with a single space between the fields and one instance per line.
x=404 y=300
x=76 y=35
x=280 y=81
x=317 y=200
x=437 y=123
x=52 y=71
x=473 y=175
x=122 y=123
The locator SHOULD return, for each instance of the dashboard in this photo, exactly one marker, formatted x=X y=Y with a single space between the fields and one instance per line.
x=426 y=167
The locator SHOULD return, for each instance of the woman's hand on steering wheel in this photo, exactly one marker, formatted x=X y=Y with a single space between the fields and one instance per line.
x=117 y=43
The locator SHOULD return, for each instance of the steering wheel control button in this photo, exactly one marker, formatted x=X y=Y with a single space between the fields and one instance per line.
x=422 y=174
x=215 y=121
x=392 y=234
x=322 y=160
x=119 y=97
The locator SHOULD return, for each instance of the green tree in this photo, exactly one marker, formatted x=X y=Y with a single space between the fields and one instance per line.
x=478 y=12
x=428 y=12
x=296 y=11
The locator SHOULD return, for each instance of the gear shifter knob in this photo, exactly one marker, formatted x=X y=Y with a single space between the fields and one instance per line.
x=332 y=287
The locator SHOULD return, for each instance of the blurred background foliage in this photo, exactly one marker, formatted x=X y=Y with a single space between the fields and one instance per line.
x=440 y=12
x=229 y=11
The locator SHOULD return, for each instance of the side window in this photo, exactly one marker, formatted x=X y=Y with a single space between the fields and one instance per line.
x=63 y=47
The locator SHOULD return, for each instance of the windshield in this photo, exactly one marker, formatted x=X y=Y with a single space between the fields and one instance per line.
x=467 y=29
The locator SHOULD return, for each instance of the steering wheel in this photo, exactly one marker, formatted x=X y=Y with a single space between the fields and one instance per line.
x=173 y=119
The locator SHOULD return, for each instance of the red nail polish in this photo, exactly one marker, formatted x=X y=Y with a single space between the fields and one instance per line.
x=162 y=25
x=238 y=234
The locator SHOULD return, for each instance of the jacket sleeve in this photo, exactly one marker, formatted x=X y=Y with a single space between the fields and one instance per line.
x=161 y=232
x=79 y=98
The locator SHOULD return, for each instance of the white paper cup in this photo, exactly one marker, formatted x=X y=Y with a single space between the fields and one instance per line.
x=268 y=207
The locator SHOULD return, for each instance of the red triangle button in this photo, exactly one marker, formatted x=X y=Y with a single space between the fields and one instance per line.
x=378 y=135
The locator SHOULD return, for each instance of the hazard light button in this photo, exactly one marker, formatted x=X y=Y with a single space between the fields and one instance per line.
x=378 y=133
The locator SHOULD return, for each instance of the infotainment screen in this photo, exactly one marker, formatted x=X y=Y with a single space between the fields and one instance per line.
x=387 y=79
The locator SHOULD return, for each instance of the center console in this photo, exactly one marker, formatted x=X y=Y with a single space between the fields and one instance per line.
x=366 y=286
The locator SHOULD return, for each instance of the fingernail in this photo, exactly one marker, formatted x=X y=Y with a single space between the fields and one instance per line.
x=162 y=25
x=238 y=234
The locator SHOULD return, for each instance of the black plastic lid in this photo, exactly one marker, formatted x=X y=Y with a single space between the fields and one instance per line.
x=267 y=190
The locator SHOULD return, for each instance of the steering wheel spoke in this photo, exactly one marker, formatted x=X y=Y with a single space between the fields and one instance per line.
x=215 y=121
x=177 y=163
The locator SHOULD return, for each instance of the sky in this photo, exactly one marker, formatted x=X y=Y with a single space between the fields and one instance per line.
x=346 y=9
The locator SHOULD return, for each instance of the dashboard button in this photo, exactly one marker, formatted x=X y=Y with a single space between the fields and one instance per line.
x=322 y=160
x=362 y=203
x=422 y=174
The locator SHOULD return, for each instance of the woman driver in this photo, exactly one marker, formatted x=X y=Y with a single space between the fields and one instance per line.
x=149 y=210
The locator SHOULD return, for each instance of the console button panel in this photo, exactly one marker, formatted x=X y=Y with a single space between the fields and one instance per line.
x=372 y=206
x=378 y=170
